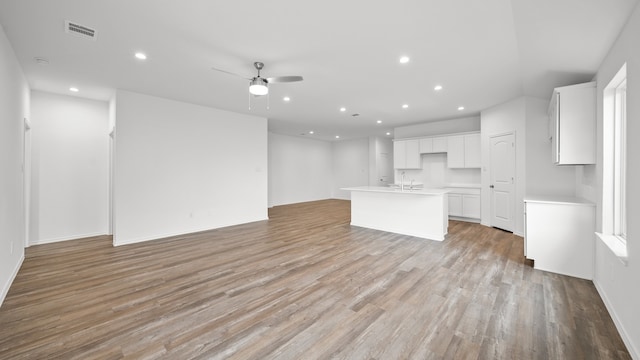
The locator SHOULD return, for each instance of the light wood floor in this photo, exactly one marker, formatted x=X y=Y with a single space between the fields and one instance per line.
x=303 y=285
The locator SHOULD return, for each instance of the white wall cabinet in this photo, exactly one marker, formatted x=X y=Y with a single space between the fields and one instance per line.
x=572 y=118
x=406 y=154
x=455 y=151
x=472 y=158
x=463 y=151
x=440 y=144
x=426 y=145
x=432 y=145
x=559 y=235
x=464 y=203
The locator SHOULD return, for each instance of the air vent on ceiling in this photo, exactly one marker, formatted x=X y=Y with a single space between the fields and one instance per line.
x=79 y=30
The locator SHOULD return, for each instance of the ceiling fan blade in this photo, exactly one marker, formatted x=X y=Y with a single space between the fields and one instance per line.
x=230 y=73
x=284 y=79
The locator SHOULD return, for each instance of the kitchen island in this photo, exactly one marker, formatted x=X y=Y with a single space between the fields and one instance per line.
x=421 y=213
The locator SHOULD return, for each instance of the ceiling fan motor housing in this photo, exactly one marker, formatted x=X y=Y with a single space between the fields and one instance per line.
x=258 y=86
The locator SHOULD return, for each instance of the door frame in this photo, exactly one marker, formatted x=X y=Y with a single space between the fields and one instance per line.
x=26 y=180
x=515 y=180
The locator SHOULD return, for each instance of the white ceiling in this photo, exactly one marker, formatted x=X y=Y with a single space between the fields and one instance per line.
x=482 y=52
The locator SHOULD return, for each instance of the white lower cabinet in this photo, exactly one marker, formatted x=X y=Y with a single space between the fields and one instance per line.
x=559 y=235
x=455 y=204
x=471 y=206
x=464 y=203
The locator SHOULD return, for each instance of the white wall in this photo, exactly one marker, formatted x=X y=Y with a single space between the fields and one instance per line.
x=350 y=166
x=618 y=284
x=501 y=119
x=542 y=176
x=69 y=169
x=438 y=128
x=181 y=168
x=299 y=169
x=14 y=108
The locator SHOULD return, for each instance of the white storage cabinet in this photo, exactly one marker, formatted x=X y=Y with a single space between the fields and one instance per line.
x=463 y=151
x=559 y=235
x=406 y=154
x=572 y=124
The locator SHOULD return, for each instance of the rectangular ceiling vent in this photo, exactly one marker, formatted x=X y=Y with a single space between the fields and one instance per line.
x=79 y=30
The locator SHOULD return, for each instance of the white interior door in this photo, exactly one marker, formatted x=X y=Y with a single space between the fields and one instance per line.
x=384 y=169
x=502 y=186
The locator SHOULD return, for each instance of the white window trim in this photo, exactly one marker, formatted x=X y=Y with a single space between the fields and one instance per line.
x=611 y=228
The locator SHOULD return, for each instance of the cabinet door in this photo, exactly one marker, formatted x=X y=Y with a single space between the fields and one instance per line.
x=455 y=204
x=574 y=142
x=455 y=151
x=471 y=206
x=406 y=154
x=399 y=154
x=553 y=127
x=412 y=154
x=426 y=145
x=440 y=144
x=472 y=158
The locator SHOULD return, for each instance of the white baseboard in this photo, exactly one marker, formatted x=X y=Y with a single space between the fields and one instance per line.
x=635 y=354
x=65 y=238
x=157 y=236
x=5 y=287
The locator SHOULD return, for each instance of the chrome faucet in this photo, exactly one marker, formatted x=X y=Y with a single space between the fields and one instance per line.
x=402 y=181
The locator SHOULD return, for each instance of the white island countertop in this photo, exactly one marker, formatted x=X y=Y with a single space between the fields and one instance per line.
x=386 y=189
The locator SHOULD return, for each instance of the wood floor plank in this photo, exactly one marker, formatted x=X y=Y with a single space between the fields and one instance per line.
x=304 y=284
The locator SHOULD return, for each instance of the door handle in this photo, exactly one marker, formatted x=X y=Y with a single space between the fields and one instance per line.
x=491 y=186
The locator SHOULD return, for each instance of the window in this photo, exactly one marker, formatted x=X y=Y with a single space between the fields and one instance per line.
x=614 y=165
x=620 y=162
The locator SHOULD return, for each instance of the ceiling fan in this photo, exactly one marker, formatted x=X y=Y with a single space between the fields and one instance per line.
x=258 y=85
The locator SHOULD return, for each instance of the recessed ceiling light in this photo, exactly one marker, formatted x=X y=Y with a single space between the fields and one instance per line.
x=379 y=121
x=405 y=106
x=343 y=109
x=437 y=88
x=141 y=56
x=460 y=108
x=388 y=133
x=286 y=98
x=74 y=89
x=311 y=132
x=337 y=136
x=404 y=59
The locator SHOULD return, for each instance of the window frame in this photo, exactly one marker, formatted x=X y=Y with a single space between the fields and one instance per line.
x=614 y=166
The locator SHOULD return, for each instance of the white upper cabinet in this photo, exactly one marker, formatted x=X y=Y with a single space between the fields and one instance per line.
x=406 y=154
x=472 y=158
x=463 y=151
x=426 y=145
x=440 y=144
x=572 y=118
x=455 y=151
x=433 y=145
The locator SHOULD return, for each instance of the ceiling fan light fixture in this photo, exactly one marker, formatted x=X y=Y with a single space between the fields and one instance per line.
x=258 y=86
